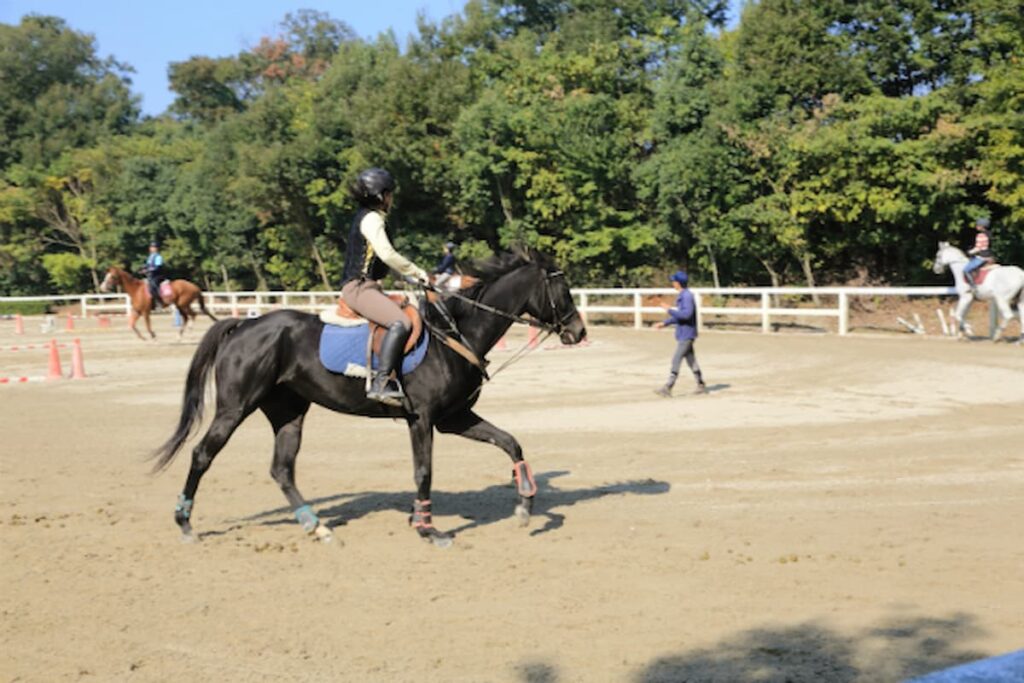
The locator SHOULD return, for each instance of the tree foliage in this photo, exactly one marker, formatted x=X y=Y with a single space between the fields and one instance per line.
x=815 y=142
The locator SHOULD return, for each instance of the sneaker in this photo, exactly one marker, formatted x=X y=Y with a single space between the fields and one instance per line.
x=664 y=392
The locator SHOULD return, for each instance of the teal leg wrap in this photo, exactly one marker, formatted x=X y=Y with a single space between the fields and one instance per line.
x=184 y=506
x=307 y=518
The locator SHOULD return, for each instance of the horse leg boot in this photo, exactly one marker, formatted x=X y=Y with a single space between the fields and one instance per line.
x=384 y=387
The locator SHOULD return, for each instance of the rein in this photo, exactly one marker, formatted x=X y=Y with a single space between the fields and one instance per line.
x=467 y=352
x=547 y=327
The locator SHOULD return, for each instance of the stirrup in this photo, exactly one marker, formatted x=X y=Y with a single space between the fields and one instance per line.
x=388 y=392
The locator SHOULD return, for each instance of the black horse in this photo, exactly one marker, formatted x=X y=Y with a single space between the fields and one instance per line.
x=272 y=363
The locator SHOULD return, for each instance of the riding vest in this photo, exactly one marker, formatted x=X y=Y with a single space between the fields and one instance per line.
x=360 y=260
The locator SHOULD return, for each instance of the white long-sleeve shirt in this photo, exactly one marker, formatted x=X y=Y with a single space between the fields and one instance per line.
x=373 y=229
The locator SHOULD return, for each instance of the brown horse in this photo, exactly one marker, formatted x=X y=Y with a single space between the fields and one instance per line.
x=137 y=290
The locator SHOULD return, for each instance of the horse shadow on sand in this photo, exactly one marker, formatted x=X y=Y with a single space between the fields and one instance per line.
x=894 y=649
x=479 y=508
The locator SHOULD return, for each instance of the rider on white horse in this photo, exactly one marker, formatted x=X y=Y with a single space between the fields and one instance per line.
x=981 y=253
x=1004 y=286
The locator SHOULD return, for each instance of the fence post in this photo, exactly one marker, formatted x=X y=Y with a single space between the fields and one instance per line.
x=766 y=323
x=127 y=305
x=583 y=307
x=85 y=308
x=844 y=314
x=696 y=312
x=638 y=321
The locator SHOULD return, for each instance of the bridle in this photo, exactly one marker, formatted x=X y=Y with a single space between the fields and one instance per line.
x=549 y=328
x=556 y=327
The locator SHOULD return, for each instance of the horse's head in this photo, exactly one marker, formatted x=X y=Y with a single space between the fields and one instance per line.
x=552 y=303
x=110 y=279
x=529 y=282
x=946 y=255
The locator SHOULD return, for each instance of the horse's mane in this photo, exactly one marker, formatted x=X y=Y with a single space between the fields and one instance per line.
x=489 y=269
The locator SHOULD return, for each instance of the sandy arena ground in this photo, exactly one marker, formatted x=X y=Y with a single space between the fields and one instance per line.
x=837 y=509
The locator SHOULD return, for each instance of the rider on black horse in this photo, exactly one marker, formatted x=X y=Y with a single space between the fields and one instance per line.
x=154 y=270
x=369 y=255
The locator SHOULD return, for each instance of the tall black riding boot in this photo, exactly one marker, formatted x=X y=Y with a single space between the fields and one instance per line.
x=383 y=387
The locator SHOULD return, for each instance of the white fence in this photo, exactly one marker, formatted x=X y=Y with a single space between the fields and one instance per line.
x=765 y=310
x=588 y=302
x=88 y=304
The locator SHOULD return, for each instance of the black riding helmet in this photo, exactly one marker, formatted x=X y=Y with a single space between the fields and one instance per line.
x=371 y=184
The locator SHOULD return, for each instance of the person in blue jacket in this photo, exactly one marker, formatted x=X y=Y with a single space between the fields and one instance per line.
x=446 y=268
x=684 y=317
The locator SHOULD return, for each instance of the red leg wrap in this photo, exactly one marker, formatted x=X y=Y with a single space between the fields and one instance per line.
x=421 y=518
x=525 y=483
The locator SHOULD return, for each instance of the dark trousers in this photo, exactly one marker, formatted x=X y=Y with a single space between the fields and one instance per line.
x=153 y=278
x=684 y=349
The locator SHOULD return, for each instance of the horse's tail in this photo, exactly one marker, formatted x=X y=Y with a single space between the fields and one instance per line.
x=195 y=392
x=202 y=307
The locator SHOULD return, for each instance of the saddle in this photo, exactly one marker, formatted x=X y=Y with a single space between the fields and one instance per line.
x=982 y=273
x=166 y=293
x=343 y=316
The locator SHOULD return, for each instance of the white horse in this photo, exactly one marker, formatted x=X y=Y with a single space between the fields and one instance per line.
x=1004 y=285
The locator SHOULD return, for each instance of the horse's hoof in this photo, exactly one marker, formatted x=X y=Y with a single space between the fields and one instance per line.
x=441 y=540
x=438 y=538
x=522 y=515
x=189 y=538
x=323 y=534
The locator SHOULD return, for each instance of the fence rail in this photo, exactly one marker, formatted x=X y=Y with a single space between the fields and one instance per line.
x=588 y=302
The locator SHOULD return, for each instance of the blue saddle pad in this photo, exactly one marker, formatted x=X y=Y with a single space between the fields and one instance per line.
x=343 y=350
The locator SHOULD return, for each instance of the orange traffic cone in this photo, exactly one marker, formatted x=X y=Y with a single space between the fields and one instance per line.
x=19 y=324
x=534 y=332
x=103 y=321
x=234 y=312
x=70 y=324
x=55 y=371
x=501 y=345
x=77 y=365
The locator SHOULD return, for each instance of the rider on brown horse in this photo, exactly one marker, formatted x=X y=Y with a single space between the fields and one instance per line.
x=154 y=270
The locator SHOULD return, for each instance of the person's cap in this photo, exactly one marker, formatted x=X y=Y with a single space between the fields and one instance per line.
x=154 y=243
x=983 y=221
x=449 y=245
x=680 y=277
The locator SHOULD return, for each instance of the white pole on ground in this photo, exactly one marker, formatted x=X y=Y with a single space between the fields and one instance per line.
x=844 y=314
x=942 y=322
x=920 y=325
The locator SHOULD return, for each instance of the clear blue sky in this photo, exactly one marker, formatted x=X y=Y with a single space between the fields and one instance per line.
x=150 y=34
